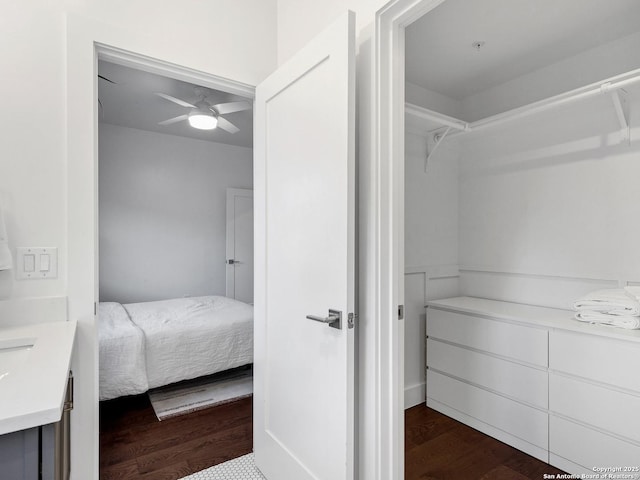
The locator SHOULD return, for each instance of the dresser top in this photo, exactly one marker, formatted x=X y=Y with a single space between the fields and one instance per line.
x=531 y=315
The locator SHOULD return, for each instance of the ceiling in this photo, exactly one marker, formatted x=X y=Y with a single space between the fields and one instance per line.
x=519 y=36
x=131 y=102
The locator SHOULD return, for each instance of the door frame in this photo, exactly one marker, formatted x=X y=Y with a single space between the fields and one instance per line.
x=380 y=341
x=229 y=273
x=88 y=41
x=387 y=102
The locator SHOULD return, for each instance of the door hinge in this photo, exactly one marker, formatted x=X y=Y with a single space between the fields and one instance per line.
x=95 y=308
x=400 y=312
x=351 y=318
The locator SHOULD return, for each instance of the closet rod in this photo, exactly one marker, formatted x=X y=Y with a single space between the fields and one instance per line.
x=436 y=117
x=608 y=86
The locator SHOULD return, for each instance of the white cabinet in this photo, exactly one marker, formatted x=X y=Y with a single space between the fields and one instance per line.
x=563 y=391
x=594 y=400
x=490 y=374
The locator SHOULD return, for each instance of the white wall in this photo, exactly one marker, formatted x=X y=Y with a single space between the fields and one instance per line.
x=423 y=97
x=163 y=213
x=32 y=156
x=547 y=202
x=548 y=207
x=431 y=247
x=301 y=20
x=231 y=39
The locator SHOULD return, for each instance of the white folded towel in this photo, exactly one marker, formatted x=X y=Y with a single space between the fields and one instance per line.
x=622 y=321
x=614 y=301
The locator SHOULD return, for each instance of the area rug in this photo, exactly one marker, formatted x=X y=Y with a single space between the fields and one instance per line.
x=205 y=392
x=241 y=468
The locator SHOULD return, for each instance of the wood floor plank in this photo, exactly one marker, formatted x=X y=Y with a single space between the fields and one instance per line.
x=134 y=445
x=452 y=451
x=220 y=441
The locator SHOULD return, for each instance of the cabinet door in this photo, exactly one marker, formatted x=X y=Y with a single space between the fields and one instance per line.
x=523 y=383
x=604 y=408
x=519 y=342
x=590 y=448
x=601 y=359
x=19 y=455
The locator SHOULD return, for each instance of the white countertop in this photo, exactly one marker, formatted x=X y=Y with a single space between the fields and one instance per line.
x=32 y=392
x=532 y=315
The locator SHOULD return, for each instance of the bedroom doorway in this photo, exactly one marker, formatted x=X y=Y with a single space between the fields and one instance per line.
x=175 y=348
x=240 y=244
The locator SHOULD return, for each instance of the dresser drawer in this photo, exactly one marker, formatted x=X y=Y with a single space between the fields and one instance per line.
x=603 y=359
x=521 y=421
x=595 y=405
x=519 y=342
x=518 y=381
x=590 y=448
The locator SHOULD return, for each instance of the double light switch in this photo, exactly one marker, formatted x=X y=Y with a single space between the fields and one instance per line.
x=35 y=262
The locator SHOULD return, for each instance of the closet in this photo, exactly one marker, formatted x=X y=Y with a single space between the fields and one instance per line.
x=522 y=188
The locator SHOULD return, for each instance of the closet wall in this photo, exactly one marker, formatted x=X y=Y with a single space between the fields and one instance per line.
x=431 y=236
x=548 y=203
x=539 y=210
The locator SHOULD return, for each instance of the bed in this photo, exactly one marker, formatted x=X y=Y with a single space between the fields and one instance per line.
x=150 y=344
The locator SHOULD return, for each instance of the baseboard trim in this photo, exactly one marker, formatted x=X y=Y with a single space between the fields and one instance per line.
x=415 y=395
x=522 y=445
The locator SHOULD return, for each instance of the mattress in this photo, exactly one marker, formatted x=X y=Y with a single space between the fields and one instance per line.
x=122 y=364
x=183 y=338
x=190 y=337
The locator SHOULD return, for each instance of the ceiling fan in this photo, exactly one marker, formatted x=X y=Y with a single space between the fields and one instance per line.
x=204 y=115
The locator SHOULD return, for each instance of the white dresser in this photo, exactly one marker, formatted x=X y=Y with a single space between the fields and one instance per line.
x=560 y=390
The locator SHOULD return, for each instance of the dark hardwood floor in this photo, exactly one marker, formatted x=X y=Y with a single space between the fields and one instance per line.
x=135 y=445
x=439 y=448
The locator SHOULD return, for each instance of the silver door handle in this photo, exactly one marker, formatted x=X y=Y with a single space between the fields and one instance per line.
x=334 y=319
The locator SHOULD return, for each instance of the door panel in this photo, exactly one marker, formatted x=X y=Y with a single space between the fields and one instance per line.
x=305 y=258
x=240 y=244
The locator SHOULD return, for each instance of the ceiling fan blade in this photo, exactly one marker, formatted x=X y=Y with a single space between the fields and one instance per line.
x=106 y=79
x=182 y=103
x=231 y=107
x=227 y=126
x=174 y=120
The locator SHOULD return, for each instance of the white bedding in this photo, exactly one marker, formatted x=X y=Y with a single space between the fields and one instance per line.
x=122 y=368
x=186 y=338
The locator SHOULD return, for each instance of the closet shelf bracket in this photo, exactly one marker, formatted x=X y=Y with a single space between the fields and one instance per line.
x=621 y=106
x=438 y=137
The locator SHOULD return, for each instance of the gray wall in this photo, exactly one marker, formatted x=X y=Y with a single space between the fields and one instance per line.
x=162 y=213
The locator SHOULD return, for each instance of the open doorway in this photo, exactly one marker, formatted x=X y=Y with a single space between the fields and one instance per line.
x=175 y=314
x=507 y=105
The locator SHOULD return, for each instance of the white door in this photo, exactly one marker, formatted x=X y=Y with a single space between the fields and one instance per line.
x=305 y=250
x=240 y=244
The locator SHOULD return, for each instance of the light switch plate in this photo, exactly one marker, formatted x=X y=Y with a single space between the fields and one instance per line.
x=43 y=261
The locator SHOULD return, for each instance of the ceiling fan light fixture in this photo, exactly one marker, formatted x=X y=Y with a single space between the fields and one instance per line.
x=203 y=120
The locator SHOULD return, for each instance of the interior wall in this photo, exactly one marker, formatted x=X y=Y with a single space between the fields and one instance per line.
x=162 y=213
x=301 y=20
x=47 y=50
x=548 y=206
x=33 y=154
x=431 y=247
x=423 y=97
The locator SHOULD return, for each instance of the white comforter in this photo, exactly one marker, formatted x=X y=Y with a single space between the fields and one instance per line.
x=122 y=368
x=186 y=338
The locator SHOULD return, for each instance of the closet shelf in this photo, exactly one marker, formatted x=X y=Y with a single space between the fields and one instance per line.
x=612 y=86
